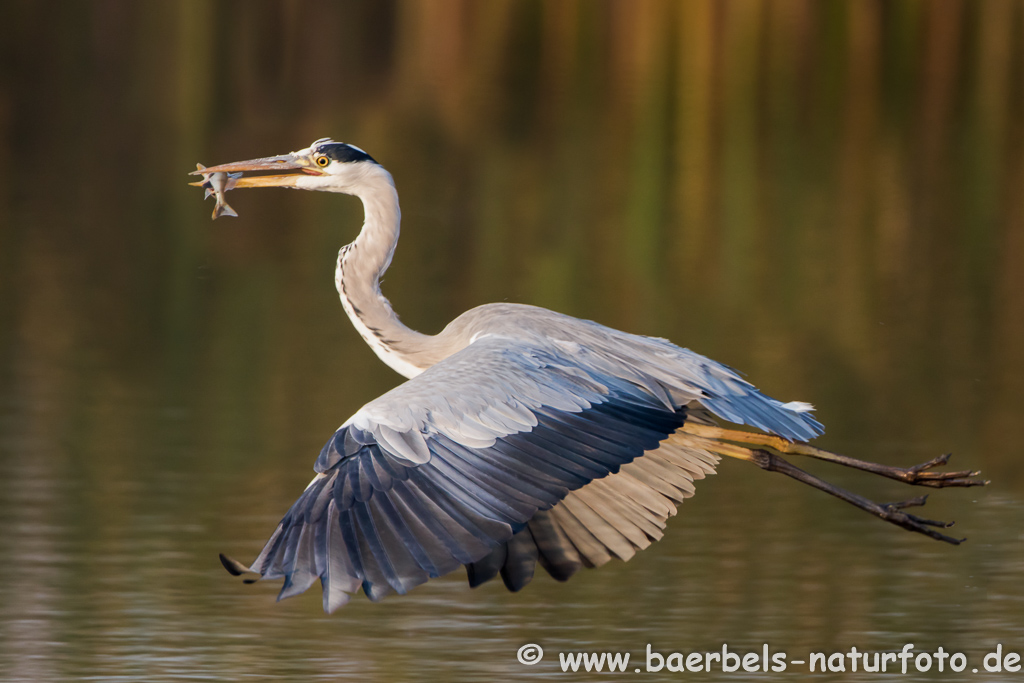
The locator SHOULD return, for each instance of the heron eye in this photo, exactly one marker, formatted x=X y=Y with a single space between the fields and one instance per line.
x=322 y=161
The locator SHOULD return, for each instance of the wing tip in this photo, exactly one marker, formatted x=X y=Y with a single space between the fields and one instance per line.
x=234 y=567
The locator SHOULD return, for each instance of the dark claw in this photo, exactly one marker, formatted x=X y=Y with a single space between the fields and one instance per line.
x=934 y=462
x=931 y=522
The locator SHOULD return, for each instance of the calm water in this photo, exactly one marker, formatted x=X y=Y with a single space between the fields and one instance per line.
x=823 y=195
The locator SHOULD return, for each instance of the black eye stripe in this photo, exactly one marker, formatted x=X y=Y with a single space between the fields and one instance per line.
x=339 y=151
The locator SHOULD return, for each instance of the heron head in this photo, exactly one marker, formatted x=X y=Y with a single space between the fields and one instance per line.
x=325 y=165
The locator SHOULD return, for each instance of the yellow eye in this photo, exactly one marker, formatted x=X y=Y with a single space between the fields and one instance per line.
x=322 y=161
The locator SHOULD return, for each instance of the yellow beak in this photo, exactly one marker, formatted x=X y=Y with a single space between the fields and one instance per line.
x=287 y=162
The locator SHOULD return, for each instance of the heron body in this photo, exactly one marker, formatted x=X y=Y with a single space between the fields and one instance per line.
x=521 y=436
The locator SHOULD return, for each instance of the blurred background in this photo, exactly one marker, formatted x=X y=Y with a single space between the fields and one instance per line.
x=824 y=195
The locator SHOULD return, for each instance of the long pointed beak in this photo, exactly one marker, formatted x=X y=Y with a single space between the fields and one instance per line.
x=298 y=165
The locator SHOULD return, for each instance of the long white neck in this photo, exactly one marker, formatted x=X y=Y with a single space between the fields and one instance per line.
x=360 y=266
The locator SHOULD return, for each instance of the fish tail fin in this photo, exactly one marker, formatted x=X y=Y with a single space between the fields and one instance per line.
x=222 y=209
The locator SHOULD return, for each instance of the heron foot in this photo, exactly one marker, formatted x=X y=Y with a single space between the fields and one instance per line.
x=920 y=475
x=893 y=513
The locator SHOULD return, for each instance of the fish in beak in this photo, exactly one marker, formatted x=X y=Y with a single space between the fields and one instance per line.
x=216 y=185
x=279 y=171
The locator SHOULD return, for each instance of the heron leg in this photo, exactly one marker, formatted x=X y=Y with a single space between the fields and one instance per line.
x=918 y=475
x=890 y=512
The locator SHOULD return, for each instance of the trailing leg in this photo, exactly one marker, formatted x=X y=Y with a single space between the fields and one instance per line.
x=918 y=475
x=890 y=512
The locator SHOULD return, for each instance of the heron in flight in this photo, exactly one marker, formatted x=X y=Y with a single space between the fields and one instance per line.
x=521 y=436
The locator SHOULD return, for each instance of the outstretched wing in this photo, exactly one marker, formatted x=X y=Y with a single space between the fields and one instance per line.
x=500 y=456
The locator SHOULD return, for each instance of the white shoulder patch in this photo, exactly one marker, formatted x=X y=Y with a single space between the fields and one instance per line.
x=569 y=347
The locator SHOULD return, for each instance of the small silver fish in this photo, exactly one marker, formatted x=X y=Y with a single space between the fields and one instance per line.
x=217 y=184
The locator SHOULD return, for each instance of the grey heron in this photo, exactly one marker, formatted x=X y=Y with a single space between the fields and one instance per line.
x=521 y=436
